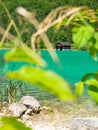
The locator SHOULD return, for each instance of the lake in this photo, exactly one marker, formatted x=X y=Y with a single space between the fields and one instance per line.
x=72 y=67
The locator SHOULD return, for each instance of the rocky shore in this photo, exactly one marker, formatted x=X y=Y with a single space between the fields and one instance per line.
x=54 y=115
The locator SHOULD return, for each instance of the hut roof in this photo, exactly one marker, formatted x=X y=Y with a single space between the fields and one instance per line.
x=63 y=43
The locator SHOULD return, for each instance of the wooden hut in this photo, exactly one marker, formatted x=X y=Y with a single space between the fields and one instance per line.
x=62 y=46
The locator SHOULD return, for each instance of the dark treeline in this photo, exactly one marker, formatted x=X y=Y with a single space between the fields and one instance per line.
x=41 y=9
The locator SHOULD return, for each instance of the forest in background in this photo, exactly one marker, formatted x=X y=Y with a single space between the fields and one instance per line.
x=41 y=8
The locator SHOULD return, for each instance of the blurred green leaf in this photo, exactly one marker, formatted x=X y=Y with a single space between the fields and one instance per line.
x=93 y=82
x=87 y=76
x=82 y=35
x=79 y=88
x=92 y=50
x=45 y=79
x=11 y=123
x=17 y=54
x=93 y=91
x=96 y=38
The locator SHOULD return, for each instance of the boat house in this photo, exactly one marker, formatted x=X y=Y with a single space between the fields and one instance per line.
x=62 y=46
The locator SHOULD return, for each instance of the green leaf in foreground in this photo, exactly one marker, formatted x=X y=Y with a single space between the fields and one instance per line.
x=17 y=54
x=93 y=82
x=79 y=88
x=11 y=123
x=90 y=80
x=93 y=92
x=45 y=79
x=82 y=35
x=93 y=88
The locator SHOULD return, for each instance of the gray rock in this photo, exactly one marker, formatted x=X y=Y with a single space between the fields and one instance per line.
x=31 y=103
x=85 y=124
x=17 y=109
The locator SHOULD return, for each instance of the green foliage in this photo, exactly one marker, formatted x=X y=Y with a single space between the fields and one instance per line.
x=11 y=123
x=90 y=80
x=45 y=79
x=41 y=10
x=86 y=36
x=82 y=35
x=93 y=46
x=79 y=88
x=13 y=91
x=18 y=54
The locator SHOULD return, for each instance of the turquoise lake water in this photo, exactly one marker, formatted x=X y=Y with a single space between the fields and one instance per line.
x=73 y=66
